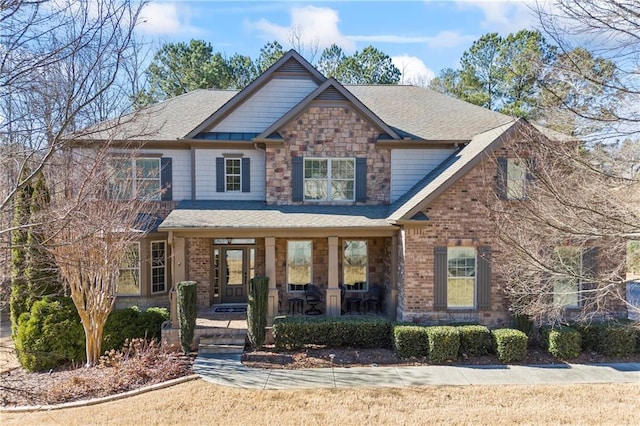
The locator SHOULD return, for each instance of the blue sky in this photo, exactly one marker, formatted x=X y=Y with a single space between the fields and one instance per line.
x=422 y=37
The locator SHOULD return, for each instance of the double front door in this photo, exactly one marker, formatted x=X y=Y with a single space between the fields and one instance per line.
x=234 y=266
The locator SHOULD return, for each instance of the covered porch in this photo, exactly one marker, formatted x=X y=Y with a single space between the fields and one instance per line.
x=346 y=253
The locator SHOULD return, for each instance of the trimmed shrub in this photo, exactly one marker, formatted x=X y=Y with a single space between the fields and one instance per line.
x=130 y=323
x=50 y=335
x=510 y=344
x=475 y=340
x=444 y=343
x=187 y=310
x=356 y=332
x=410 y=341
x=564 y=342
x=523 y=323
x=590 y=335
x=616 y=339
x=258 y=295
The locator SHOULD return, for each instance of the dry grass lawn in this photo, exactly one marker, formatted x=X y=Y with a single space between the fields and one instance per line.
x=199 y=402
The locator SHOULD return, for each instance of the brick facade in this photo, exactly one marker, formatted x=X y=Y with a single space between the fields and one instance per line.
x=328 y=132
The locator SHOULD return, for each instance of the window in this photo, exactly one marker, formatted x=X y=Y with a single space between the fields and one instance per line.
x=299 y=264
x=232 y=176
x=329 y=179
x=354 y=266
x=129 y=277
x=135 y=178
x=516 y=179
x=158 y=266
x=567 y=269
x=461 y=277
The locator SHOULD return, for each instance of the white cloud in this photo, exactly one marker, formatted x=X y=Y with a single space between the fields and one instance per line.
x=165 y=18
x=503 y=16
x=314 y=25
x=413 y=70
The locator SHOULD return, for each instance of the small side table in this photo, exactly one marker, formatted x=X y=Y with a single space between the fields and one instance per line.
x=354 y=302
x=295 y=304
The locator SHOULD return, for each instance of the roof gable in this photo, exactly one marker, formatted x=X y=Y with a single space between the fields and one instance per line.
x=291 y=64
x=330 y=90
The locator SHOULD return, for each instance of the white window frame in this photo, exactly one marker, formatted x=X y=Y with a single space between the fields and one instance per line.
x=351 y=286
x=328 y=179
x=133 y=177
x=451 y=277
x=516 y=189
x=298 y=287
x=559 y=298
x=163 y=267
x=137 y=244
x=229 y=175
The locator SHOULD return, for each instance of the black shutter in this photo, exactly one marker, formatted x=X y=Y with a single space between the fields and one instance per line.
x=297 y=179
x=246 y=173
x=166 y=175
x=220 y=174
x=361 y=179
x=440 y=278
x=483 y=280
x=502 y=178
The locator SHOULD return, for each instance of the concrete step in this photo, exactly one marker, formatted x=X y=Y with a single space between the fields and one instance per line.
x=223 y=339
x=220 y=349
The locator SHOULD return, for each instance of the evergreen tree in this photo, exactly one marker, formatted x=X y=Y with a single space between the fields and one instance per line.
x=19 y=234
x=41 y=271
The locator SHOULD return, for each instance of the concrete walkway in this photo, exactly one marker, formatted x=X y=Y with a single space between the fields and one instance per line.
x=227 y=370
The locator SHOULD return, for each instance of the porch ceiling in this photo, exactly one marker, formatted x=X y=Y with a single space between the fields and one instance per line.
x=256 y=215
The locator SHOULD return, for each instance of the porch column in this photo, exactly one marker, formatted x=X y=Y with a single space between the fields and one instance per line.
x=178 y=269
x=270 y=271
x=333 y=291
x=393 y=292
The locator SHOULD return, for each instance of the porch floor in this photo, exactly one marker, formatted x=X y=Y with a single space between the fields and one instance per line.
x=208 y=318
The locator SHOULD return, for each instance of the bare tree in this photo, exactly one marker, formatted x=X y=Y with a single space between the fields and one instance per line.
x=91 y=234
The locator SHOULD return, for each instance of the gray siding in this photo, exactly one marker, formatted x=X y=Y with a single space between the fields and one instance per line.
x=266 y=106
x=206 y=175
x=408 y=166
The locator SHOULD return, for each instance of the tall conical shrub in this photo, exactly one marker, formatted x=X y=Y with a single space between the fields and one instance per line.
x=257 y=310
x=187 y=308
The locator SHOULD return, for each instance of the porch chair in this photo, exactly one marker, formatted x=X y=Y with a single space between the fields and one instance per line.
x=373 y=298
x=313 y=296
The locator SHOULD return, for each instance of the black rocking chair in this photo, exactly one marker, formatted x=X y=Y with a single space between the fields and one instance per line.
x=314 y=298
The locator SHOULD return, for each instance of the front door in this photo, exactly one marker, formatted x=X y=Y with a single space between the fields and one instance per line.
x=237 y=268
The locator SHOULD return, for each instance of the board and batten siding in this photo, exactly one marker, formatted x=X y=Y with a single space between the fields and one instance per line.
x=205 y=163
x=180 y=165
x=408 y=166
x=266 y=106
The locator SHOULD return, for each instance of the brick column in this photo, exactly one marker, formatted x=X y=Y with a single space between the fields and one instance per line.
x=270 y=271
x=333 y=291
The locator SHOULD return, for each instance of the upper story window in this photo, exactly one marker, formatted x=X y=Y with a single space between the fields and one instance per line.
x=135 y=178
x=567 y=265
x=232 y=174
x=329 y=179
x=516 y=179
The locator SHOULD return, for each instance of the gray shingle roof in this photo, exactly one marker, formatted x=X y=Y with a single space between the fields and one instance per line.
x=258 y=215
x=454 y=167
x=426 y=114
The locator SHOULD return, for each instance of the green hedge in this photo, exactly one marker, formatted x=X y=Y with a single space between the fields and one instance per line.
x=475 y=340
x=50 y=335
x=357 y=332
x=563 y=342
x=611 y=338
x=444 y=343
x=510 y=344
x=410 y=341
x=131 y=323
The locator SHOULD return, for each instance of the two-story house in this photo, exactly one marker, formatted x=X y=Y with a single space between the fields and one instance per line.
x=305 y=180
